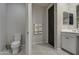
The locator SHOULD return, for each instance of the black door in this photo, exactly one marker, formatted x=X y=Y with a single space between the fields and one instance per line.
x=51 y=25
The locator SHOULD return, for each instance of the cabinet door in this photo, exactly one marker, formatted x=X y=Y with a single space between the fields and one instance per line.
x=65 y=41
x=69 y=42
x=72 y=43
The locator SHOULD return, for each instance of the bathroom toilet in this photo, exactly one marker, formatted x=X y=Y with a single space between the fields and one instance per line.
x=15 y=45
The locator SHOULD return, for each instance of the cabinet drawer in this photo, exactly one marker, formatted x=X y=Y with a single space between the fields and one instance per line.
x=72 y=35
x=68 y=35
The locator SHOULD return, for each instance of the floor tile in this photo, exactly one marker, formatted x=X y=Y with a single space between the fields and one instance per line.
x=46 y=49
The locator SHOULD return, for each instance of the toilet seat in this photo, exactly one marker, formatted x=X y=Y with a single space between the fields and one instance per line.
x=15 y=44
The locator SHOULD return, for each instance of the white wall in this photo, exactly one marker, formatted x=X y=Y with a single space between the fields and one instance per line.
x=15 y=20
x=2 y=26
x=61 y=7
x=38 y=16
x=45 y=25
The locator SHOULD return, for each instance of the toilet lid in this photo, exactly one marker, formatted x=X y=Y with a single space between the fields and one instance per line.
x=15 y=42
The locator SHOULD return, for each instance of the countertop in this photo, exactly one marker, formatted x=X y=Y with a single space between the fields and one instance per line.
x=76 y=31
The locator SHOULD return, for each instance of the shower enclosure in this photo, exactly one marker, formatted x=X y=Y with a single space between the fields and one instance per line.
x=13 y=19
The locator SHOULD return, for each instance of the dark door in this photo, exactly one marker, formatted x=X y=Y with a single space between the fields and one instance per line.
x=51 y=25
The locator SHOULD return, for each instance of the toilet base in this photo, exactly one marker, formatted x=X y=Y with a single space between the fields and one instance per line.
x=15 y=51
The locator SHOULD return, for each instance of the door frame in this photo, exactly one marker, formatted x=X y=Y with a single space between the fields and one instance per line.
x=55 y=23
x=29 y=30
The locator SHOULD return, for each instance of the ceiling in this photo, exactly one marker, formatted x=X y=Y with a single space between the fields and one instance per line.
x=41 y=4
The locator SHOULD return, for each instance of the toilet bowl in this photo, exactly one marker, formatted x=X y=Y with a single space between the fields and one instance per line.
x=15 y=45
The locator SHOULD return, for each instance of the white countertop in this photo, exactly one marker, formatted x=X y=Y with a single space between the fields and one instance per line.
x=70 y=30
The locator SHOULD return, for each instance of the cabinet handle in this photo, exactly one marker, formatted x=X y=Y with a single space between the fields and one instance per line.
x=67 y=38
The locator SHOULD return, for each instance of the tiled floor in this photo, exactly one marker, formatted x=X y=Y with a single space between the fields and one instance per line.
x=46 y=49
x=7 y=52
x=40 y=49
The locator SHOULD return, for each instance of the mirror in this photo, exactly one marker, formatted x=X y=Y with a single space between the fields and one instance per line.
x=67 y=18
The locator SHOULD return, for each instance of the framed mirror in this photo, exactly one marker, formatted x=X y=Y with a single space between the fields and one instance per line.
x=65 y=18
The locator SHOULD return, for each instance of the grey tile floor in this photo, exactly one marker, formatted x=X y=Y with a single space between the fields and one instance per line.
x=7 y=52
x=46 y=49
x=40 y=49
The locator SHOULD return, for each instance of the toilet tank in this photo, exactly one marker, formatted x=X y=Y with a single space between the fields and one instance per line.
x=17 y=37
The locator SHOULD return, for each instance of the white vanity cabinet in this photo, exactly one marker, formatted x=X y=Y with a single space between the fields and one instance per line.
x=69 y=42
